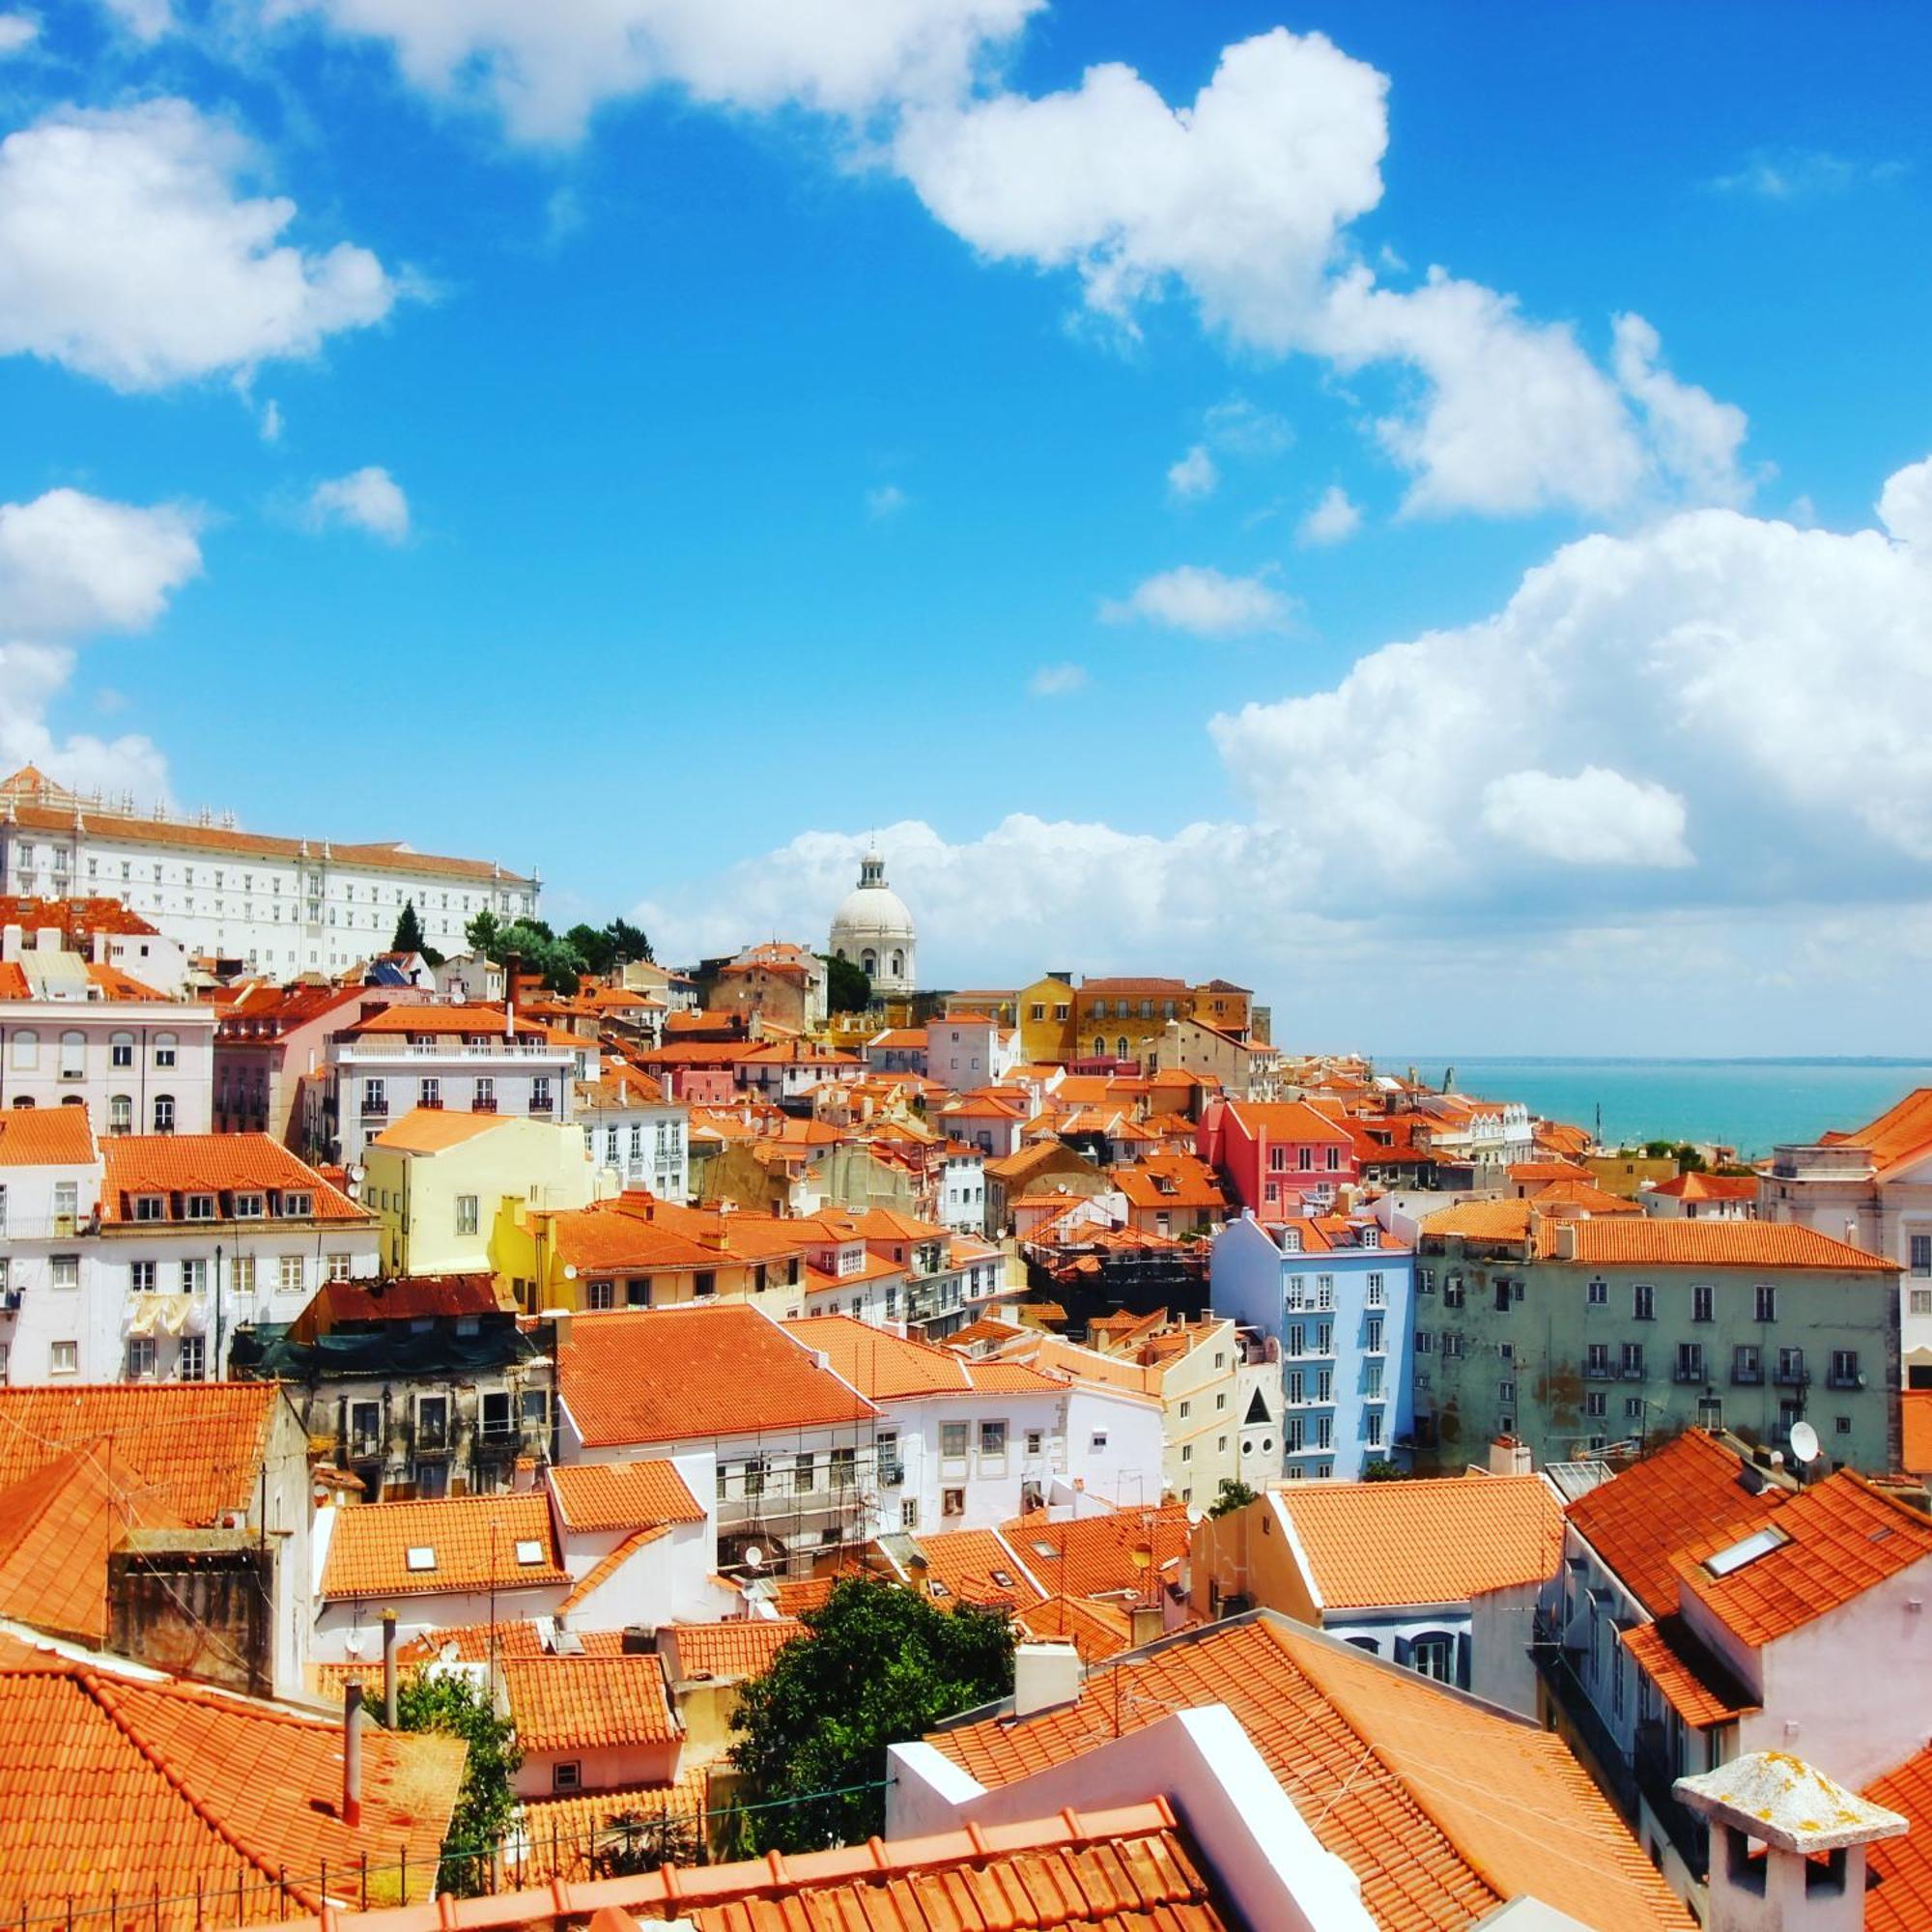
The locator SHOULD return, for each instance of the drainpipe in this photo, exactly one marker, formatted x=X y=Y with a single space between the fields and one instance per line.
x=389 y=1670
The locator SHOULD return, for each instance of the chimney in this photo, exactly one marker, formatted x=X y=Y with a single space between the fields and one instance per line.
x=1044 y=1675
x=1510 y=1458
x=1811 y=1874
x=389 y=1715
x=10 y=943
x=351 y=1753
x=1146 y=1622
x=1566 y=1240
x=639 y=1640
x=47 y=939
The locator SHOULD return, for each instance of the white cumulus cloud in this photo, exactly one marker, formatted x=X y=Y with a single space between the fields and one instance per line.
x=72 y=566
x=1333 y=520
x=1905 y=505
x=17 y=32
x=1203 y=601
x=1596 y=818
x=131 y=250
x=1193 y=474
x=368 y=499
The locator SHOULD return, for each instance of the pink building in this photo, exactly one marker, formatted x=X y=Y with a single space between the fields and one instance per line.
x=271 y=1038
x=1273 y=1153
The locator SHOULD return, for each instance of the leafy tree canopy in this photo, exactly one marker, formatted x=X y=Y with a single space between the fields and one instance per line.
x=562 y=961
x=1381 y=1471
x=848 y=988
x=485 y=1800
x=882 y=1665
x=1233 y=1495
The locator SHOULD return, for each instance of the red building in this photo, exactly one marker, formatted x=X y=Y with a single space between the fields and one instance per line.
x=1277 y=1154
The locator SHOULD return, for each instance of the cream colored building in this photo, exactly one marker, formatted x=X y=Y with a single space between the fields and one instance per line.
x=442 y=1183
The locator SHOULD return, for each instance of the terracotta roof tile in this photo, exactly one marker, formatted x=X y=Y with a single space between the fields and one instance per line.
x=110 y=1786
x=1125 y=1552
x=970 y=1566
x=595 y=1497
x=217 y=1164
x=472 y=1543
x=1835 y=1541
x=744 y=1647
x=437 y=1130
x=45 y=1137
x=1693 y=1486
x=600 y=1573
x=1444 y=1807
x=1631 y=1242
x=1098 y=1631
x=1915 y=1414
x=1902 y=1899
x=1694 y=1679
x=688 y=1374
x=562 y=1837
x=1709 y=1187
x=588 y=1703
x=57 y=1529
x=1378 y=1544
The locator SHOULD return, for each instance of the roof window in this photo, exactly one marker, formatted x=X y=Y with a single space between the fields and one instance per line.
x=1759 y=1543
x=420 y=1557
x=529 y=1551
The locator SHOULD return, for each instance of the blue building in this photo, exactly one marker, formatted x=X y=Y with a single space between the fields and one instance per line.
x=1340 y=1296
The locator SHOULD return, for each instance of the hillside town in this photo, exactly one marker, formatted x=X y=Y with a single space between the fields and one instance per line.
x=1389 y=1507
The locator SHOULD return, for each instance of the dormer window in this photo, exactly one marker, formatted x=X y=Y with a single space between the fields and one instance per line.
x=198 y=1208
x=1291 y=1240
x=1372 y=1238
x=296 y=1206
x=248 y=1206
x=150 y=1207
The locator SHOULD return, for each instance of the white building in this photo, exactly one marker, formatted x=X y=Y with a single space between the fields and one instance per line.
x=135 y=1258
x=874 y=931
x=281 y=905
x=635 y=1135
x=962 y=1188
x=73 y=1032
x=466 y=1059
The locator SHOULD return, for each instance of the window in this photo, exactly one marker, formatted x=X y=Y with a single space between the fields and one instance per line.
x=540 y=1103
x=484 y=1099
x=244 y=1274
x=1690 y=1362
x=1372 y=1334
x=249 y=1207
x=164 y=1113
x=704 y=1283
x=1425 y=1340
x=1919 y=1249
x=1747 y=1363
x=638 y=1292
x=150 y=1207
x=26 y=1049
x=1632 y=1365
x=193 y=1358
x=1844 y=1368
x=72 y=1054
x=1791 y=1366
x=289 y=1274
x=1596 y=1405
x=1452 y=1346
x=1767 y=1301
x=1377 y=1295
x=567 y=1775
x=120 y=1115
x=141 y=1277
x=1700 y=1301
x=952 y=1440
x=431 y=1422
x=1643 y=1302
x=141 y=1358
x=198 y=1208
x=429 y=1092
x=1506 y=1392
x=909 y=1513
x=121 y=1049
x=536 y=1408
x=992 y=1438
x=1632 y=1408
x=496 y=1410
x=296 y=1206
x=1374 y=1427
x=64 y=1359
x=600 y=1294
x=802 y=1477
x=1598 y=1294
x=466 y=1213
x=1035 y=1442
x=164 y=1049
x=65 y=1270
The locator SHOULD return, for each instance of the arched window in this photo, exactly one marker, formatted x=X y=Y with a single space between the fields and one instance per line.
x=898 y=965
x=26 y=1049
x=164 y=1113
x=164 y=1049
x=1367 y=1643
x=869 y=960
x=23 y=1103
x=1121 y=1048
x=73 y=1100
x=120 y=1115
x=1434 y=1655
x=72 y=1054
x=1099 y=1047
x=121 y=1049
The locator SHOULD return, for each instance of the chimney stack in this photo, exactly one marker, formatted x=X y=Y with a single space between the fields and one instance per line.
x=1045 y=1675
x=351 y=1753
x=389 y=1717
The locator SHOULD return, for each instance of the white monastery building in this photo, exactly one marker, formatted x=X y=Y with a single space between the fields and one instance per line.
x=282 y=906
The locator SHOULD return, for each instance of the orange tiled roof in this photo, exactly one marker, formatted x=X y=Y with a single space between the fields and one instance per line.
x=741 y=1648
x=792 y=1597
x=1445 y=1810
x=473 y=1542
x=108 y=1786
x=1902 y=1899
x=1125 y=1552
x=1190 y=1182
x=45 y=1137
x=595 y=1497
x=558 y=1835
x=192 y=1450
x=437 y=1130
x=1840 y=1537
x=1098 y=1629
x=1900 y=1134
x=1692 y=1678
x=1285 y=1121
x=972 y=1565
x=588 y=1703
x=1634 y=1242
x=57 y=1528
x=687 y=1374
x=1374 y=1545
x=1585 y=1195
x=216 y=1164
x=1128 y=1870
x=1693 y=1486
x=1915 y=1414
x=1709 y=1188
x=1483 y=1221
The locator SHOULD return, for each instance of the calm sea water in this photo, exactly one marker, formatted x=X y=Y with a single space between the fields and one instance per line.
x=1749 y=1104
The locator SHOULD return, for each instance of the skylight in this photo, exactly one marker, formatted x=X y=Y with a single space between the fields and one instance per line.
x=1759 y=1543
x=1044 y=1550
x=529 y=1551
x=420 y=1557
x=1001 y=1577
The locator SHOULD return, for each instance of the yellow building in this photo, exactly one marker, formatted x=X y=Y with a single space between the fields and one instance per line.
x=1046 y=1011
x=443 y=1183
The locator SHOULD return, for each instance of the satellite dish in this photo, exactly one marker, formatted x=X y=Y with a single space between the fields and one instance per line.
x=1804 y=1443
x=570 y=1271
x=754 y=1557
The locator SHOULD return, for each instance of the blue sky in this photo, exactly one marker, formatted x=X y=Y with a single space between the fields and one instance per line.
x=666 y=458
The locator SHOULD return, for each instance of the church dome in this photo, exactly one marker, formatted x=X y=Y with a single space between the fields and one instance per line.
x=873 y=930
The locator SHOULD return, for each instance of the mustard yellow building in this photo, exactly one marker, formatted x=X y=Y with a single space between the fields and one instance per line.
x=444 y=1184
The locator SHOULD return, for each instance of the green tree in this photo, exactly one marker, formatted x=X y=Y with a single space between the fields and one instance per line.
x=848 y=988
x=408 y=935
x=881 y=1666
x=628 y=941
x=1233 y=1495
x=593 y=947
x=1381 y=1471
x=484 y=934
x=537 y=948
x=485 y=1800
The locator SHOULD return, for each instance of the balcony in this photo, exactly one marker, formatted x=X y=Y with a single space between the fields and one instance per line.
x=1656 y=1774
x=1792 y=1376
x=1600 y=1372
x=542 y=1108
x=484 y=1103
x=1689 y=1373
x=1582 y=1726
x=1844 y=1378
x=1744 y=1376
x=375 y=1110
